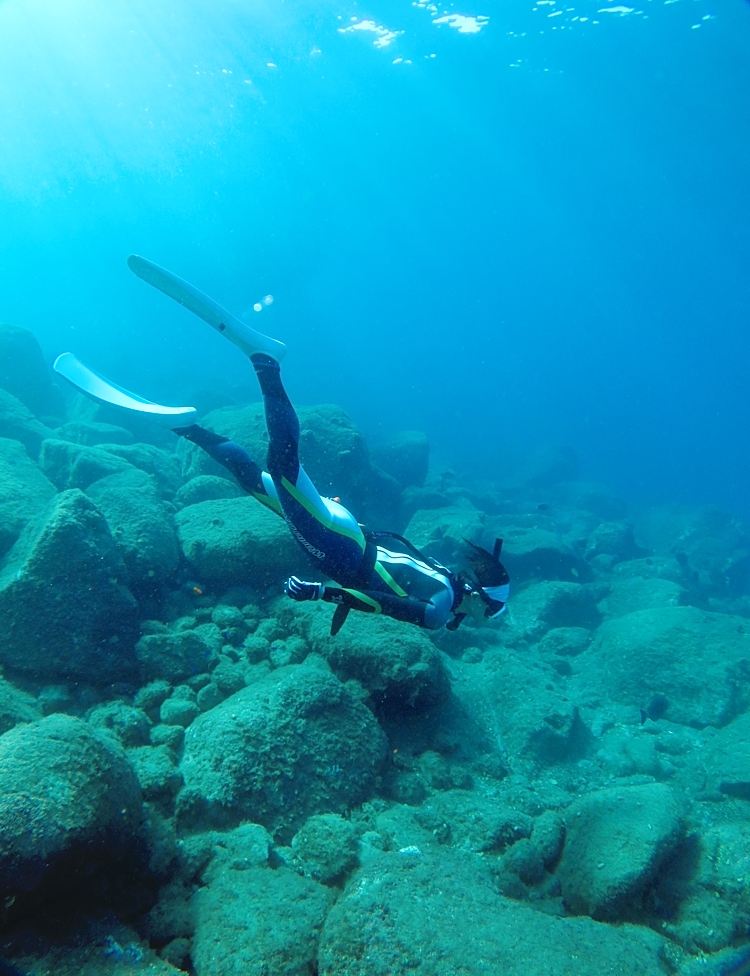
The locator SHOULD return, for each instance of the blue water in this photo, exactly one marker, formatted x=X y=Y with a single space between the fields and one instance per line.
x=533 y=233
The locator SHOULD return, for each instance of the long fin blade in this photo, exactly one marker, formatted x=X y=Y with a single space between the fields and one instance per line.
x=206 y=308
x=97 y=387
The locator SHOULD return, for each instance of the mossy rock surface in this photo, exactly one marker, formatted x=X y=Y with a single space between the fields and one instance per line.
x=237 y=541
x=439 y=914
x=69 y=804
x=693 y=661
x=65 y=609
x=24 y=492
x=294 y=744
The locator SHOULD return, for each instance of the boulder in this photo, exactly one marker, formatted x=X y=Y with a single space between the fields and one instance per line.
x=163 y=466
x=25 y=374
x=131 y=725
x=533 y=548
x=727 y=758
x=91 y=433
x=69 y=465
x=617 y=841
x=24 y=492
x=428 y=914
x=565 y=641
x=157 y=772
x=694 y=662
x=325 y=847
x=635 y=593
x=398 y=664
x=255 y=921
x=406 y=458
x=65 y=611
x=237 y=541
x=176 y=655
x=18 y=423
x=590 y=497
x=294 y=744
x=206 y=488
x=70 y=808
x=547 y=605
x=614 y=540
x=140 y=525
x=547 y=467
x=710 y=902
x=711 y=544
x=15 y=707
x=440 y=532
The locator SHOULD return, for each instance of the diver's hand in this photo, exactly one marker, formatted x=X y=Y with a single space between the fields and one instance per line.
x=301 y=590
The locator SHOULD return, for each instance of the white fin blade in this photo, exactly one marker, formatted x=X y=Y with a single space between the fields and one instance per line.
x=98 y=388
x=234 y=329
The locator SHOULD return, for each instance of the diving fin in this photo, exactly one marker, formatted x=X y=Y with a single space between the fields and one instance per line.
x=339 y=618
x=238 y=332
x=97 y=388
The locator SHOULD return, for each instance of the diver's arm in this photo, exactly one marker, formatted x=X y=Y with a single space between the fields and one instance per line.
x=403 y=608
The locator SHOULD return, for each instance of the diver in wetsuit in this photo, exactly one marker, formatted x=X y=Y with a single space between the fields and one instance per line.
x=371 y=575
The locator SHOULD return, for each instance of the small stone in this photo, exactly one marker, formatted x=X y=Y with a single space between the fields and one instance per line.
x=168 y=735
x=209 y=697
x=178 y=711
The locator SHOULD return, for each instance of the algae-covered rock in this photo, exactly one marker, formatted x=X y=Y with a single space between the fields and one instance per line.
x=533 y=548
x=325 y=846
x=405 y=457
x=439 y=914
x=69 y=465
x=65 y=610
x=727 y=758
x=294 y=744
x=206 y=488
x=636 y=593
x=163 y=466
x=713 y=545
x=550 y=605
x=234 y=541
x=70 y=806
x=130 y=725
x=157 y=772
x=440 y=532
x=179 y=654
x=614 y=540
x=24 y=492
x=18 y=423
x=398 y=664
x=15 y=707
x=617 y=840
x=256 y=921
x=25 y=374
x=691 y=659
x=93 y=433
x=565 y=641
x=140 y=525
x=711 y=901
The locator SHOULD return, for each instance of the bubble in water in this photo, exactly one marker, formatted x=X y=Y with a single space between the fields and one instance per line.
x=268 y=300
x=257 y=307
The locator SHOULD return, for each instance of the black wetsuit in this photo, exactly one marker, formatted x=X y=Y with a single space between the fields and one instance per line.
x=371 y=577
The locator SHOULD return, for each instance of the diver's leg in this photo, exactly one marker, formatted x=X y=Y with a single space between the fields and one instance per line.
x=235 y=459
x=325 y=530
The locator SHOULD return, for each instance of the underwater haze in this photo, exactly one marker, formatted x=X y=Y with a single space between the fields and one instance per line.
x=468 y=694
x=507 y=224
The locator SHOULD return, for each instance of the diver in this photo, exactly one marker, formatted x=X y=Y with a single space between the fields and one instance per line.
x=374 y=572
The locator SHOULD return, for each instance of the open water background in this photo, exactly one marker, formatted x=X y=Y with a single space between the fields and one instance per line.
x=538 y=236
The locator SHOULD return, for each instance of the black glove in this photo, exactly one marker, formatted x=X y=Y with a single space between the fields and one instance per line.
x=300 y=590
